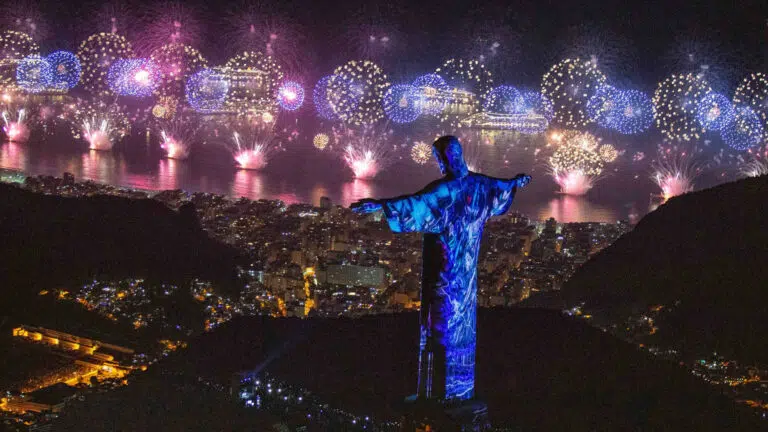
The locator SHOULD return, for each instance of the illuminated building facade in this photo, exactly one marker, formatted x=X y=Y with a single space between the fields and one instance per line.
x=247 y=90
x=451 y=102
x=499 y=121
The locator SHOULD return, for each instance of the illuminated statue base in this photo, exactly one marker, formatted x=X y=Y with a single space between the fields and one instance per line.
x=459 y=416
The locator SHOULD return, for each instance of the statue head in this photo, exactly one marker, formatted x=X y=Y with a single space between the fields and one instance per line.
x=450 y=158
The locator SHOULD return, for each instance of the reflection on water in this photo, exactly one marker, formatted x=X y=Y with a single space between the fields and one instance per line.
x=102 y=167
x=567 y=208
x=248 y=184
x=355 y=191
x=170 y=174
x=290 y=182
x=13 y=156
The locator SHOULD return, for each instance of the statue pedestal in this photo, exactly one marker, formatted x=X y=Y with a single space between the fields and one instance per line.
x=442 y=416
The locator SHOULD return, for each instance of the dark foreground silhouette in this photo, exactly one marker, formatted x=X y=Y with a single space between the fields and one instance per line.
x=52 y=242
x=537 y=369
x=703 y=256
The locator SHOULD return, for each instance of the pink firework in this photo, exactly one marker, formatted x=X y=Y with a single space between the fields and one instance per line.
x=177 y=136
x=371 y=38
x=575 y=168
x=168 y=22
x=255 y=28
x=673 y=183
x=366 y=151
x=254 y=145
x=115 y=16
x=174 y=147
x=15 y=126
x=97 y=139
x=574 y=182
x=362 y=163
x=674 y=170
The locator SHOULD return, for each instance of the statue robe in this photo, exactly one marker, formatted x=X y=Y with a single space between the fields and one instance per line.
x=451 y=212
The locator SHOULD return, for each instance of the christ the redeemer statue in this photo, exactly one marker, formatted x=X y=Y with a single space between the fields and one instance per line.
x=451 y=212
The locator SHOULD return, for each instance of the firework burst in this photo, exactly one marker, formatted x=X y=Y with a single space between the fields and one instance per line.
x=366 y=150
x=634 y=114
x=427 y=90
x=256 y=29
x=753 y=93
x=575 y=168
x=177 y=62
x=715 y=111
x=401 y=104
x=256 y=93
x=355 y=92
x=503 y=99
x=65 y=70
x=101 y=125
x=745 y=131
x=674 y=170
x=569 y=85
x=320 y=141
x=610 y=52
x=169 y=22
x=96 y=55
x=14 y=46
x=421 y=152
x=608 y=153
x=676 y=101
x=178 y=135
x=254 y=144
x=15 y=125
x=134 y=77
x=207 y=90
x=323 y=108
x=290 y=95
x=754 y=167
x=33 y=74
x=469 y=82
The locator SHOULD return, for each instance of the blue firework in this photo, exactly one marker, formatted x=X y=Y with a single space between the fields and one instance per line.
x=633 y=112
x=290 y=95
x=401 y=103
x=207 y=90
x=320 y=98
x=430 y=80
x=33 y=74
x=428 y=88
x=534 y=102
x=602 y=106
x=745 y=131
x=134 y=77
x=714 y=111
x=503 y=99
x=65 y=70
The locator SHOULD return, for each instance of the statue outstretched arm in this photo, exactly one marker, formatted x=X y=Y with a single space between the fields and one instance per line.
x=503 y=192
x=423 y=211
x=365 y=206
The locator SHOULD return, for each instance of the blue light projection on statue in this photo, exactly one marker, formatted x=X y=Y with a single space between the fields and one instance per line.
x=451 y=212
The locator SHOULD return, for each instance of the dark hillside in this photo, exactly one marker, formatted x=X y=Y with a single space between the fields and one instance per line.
x=49 y=241
x=538 y=370
x=703 y=254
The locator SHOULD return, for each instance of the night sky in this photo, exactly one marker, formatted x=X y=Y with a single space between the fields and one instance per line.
x=636 y=43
